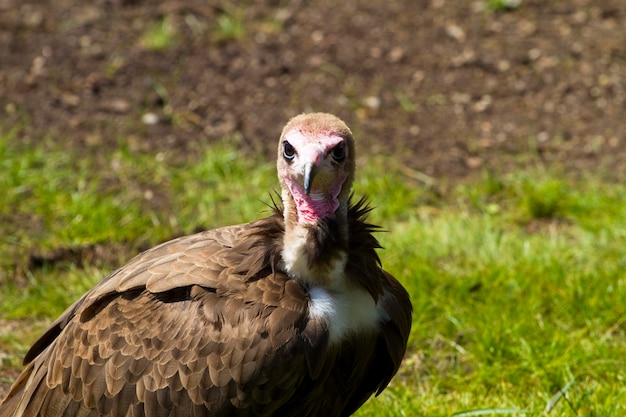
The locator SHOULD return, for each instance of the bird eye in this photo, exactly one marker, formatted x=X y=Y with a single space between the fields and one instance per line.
x=339 y=152
x=288 y=151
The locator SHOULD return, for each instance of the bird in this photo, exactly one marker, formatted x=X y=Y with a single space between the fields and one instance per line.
x=288 y=315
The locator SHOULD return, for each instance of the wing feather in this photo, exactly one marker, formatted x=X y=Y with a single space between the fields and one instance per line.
x=172 y=329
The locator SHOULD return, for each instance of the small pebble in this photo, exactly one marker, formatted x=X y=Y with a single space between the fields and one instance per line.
x=150 y=119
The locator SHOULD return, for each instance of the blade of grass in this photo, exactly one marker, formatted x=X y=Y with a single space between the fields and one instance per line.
x=490 y=412
x=558 y=396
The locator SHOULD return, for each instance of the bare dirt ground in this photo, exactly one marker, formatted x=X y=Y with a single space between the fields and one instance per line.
x=448 y=88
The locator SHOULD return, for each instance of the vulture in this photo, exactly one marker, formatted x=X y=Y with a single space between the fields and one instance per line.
x=289 y=315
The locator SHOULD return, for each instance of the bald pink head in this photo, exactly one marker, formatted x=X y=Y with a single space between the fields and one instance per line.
x=316 y=165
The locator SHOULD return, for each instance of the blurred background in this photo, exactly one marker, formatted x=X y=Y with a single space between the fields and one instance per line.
x=448 y=88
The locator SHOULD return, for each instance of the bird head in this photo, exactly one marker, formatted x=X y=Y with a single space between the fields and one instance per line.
x=316 y=166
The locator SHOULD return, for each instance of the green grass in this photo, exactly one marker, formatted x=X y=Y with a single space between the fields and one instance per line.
x=229 y=26
x=517 y=280
x=503 y=5
x=53 y=198
x=159 y=35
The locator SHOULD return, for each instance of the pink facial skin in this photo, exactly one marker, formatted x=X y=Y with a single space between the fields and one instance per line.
x=314 y=207
x=322 y=201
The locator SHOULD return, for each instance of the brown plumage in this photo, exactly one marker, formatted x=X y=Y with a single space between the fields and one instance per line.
x=290 y=315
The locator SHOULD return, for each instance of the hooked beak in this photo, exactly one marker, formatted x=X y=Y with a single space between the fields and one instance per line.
x=309 y=174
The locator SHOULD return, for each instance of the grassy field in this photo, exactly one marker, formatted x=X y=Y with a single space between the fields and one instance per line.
x=517 y=279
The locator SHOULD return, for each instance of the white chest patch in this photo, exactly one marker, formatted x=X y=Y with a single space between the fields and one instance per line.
x=346 y=308
x=352 y=310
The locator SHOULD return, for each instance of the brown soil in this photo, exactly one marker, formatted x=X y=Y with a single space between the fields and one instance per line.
x=449 y=88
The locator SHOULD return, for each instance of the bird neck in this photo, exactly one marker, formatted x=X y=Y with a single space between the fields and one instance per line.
x=315 y=243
